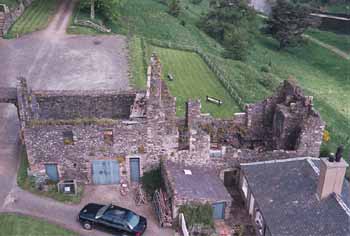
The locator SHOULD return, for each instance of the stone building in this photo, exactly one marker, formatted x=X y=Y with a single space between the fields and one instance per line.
x=106 y=136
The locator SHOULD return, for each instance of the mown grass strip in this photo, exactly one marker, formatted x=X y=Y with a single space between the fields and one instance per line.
x=19 y=225
x=35 y=17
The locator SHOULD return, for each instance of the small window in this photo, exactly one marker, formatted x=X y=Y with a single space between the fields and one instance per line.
x=108 y=136
x=215 y=153
x=68 y=138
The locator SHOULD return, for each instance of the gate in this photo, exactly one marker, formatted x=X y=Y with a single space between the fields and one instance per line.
x=105 y=172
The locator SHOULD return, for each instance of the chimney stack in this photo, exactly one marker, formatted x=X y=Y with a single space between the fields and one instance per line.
x=332 y=173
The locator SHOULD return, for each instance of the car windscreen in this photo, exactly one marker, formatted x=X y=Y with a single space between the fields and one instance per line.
x=132 y=219
x=100 y=212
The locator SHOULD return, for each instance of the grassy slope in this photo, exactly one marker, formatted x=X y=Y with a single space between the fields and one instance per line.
x=193 y=79
x=339 y=8
x=35 y=17
x=15 y=225
x=320 y=72
x=339 y=41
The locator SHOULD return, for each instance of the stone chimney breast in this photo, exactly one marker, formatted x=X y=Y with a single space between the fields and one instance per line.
x=331 y=177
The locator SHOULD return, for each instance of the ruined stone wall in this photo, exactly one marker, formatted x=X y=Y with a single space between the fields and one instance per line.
x=66 y=105
x=45 y=144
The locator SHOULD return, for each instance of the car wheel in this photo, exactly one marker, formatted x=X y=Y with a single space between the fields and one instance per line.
x=87 y=225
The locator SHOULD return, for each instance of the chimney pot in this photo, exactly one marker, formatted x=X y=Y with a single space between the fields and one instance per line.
x=339 y=153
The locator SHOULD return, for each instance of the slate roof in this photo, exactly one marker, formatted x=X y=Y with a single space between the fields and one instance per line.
x=286 y=195
x=203 y=184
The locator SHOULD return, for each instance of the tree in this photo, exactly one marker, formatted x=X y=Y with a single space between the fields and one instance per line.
x=108 y=8
x=92 y=9
x=288 y=22
x=232 y=23
x=174 y=8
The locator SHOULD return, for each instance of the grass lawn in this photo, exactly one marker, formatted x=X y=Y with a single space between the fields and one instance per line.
x=17 y=225
x=137 y=63
x=193 y=79
x=343 y=8
x=35 y=17
x=27 y=183
x=339 y=41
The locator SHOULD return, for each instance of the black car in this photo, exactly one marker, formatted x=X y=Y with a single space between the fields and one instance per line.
x=113 y=218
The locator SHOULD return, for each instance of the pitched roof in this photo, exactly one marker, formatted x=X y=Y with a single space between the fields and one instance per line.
x=201 y=184
x=285 y=192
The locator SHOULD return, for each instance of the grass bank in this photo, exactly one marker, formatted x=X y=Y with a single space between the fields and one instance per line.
x=342 y=42
x=27 y=183
x=18 y=225
x=35 y=17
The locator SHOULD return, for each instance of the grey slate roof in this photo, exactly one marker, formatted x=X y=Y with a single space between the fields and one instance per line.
x=286 y=195
x=203 y=184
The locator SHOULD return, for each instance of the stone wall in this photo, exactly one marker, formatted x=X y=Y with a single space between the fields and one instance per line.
x=67 y=105
x=143 y=125
x=45 y=144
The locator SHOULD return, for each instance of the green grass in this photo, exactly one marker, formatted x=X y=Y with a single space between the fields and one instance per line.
x=35 y=17
x=193 y=79
x=27 y=183
x=339 y=41
x=18 y=225
x=80 y=14
x=343 y=8
x=138 y=65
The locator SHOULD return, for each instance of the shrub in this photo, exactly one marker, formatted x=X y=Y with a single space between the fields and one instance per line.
x=151 y=181
x=198 y=214
x=325 y=151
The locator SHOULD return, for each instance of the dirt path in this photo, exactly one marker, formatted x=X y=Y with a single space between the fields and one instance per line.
x=329 y=47
x=59 y=23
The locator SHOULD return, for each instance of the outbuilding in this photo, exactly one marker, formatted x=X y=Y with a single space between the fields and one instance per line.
x=186 y=184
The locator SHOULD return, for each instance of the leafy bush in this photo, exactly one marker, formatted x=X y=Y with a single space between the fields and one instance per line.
x=198 y=214
x=325 y=151
x=151 y=181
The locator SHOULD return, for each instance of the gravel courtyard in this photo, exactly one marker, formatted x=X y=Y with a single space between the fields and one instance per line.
x=51 y=59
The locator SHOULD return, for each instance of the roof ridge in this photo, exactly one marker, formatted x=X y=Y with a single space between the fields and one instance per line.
x=342 y=204
x=279 y=161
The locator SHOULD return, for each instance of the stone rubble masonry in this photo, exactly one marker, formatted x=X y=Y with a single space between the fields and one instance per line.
x=144 y=125
x=11 y=15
